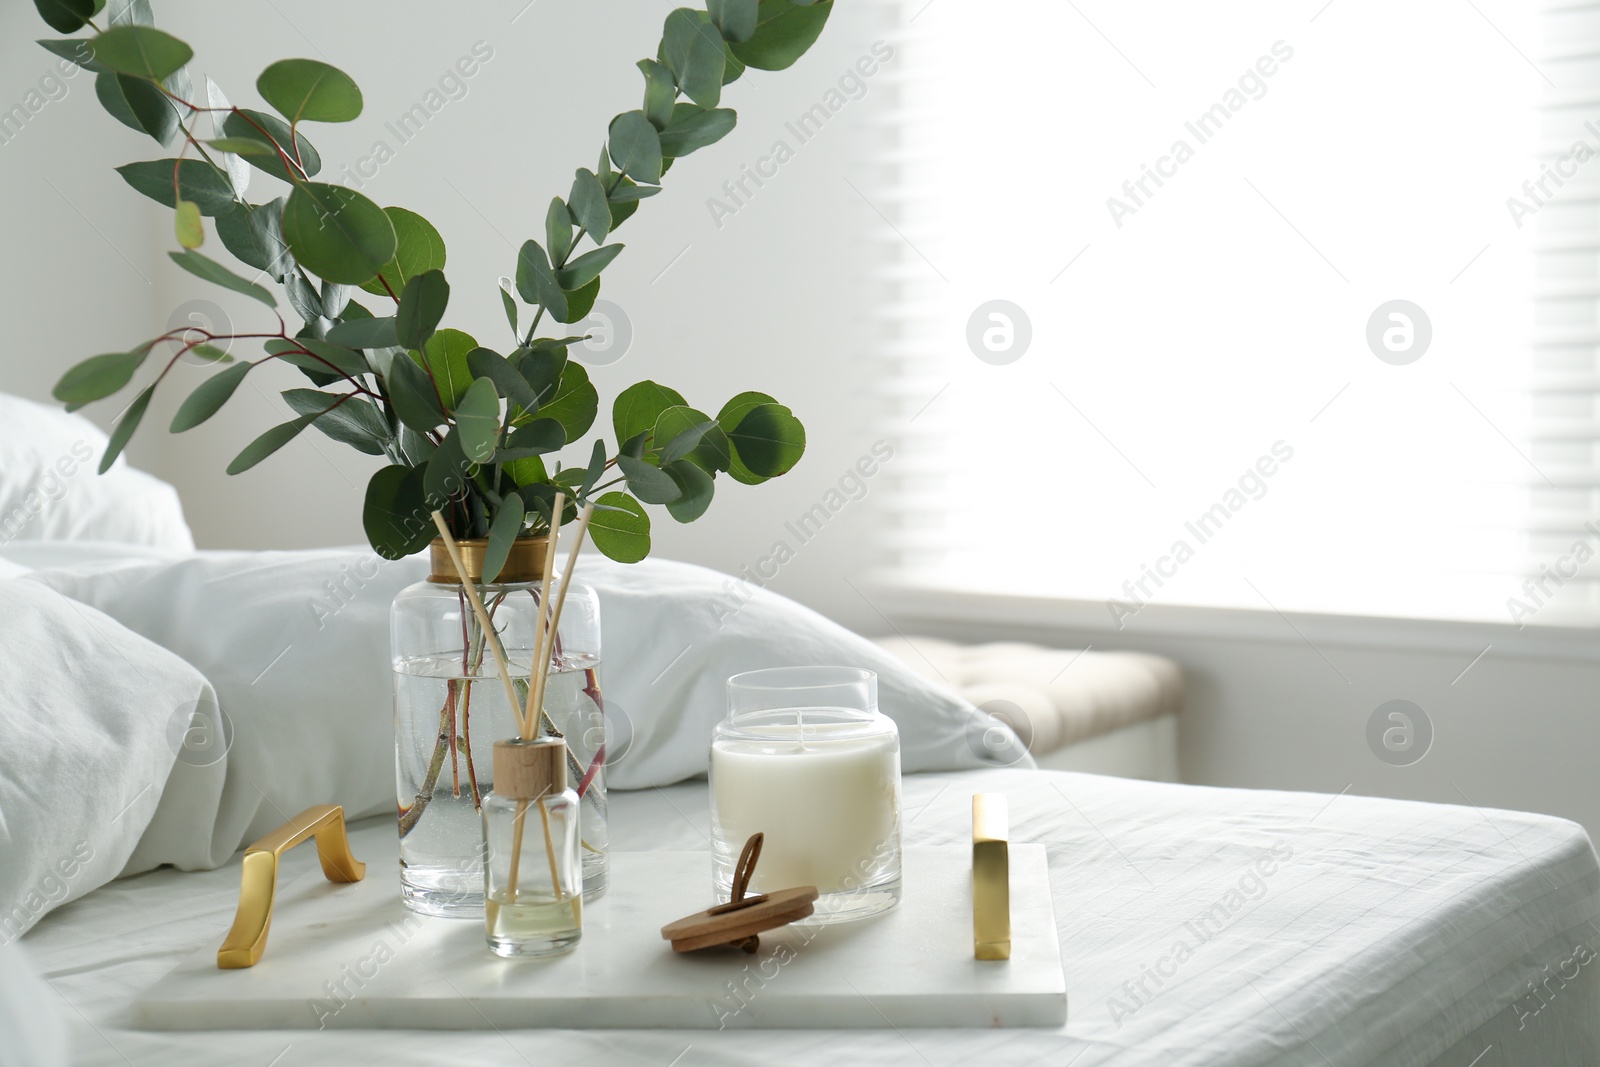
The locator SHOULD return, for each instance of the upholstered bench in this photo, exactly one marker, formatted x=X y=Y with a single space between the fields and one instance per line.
x=1101 y=712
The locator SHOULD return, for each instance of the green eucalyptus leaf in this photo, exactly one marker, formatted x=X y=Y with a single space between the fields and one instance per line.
x=594 y=471
x=694 y=127
x=528 y=471
x=692 y=49
x=734 y=19
x=109 y=92
x=345 y=360
x=484 y=363
x=395 y=514
x=217 y=274
x=421 y=308
x=620 y=528
x=139 y=105
x=628 y=191
x=123 y=431
x=509 y=302
x=210 y=353
x=558 y=230
x=365 y=333
x=660 y=92
x=587 y=202
x=254 y=234
x=634 y=446
x=729 y=418
x=417 y=449
x=233 y=162
x=446 y=356
x=684 y=433
x=73 y=50
x=418 y=248
x=415 y=400
x=67 y=16
x=733 y=66
x=98 y=377
x=536 y=280
x=303 y=297
x=586 y=268
x=784 y=31
x=140 y=51
x=740 y=406
x=449 y=471
x=541 y=368
x=677 y=35
x=271 y=133
x=695 y=488
x=637 y=408
x=537 y=438
x=269 y=442
x=581 y=301
x=769 y=440
x=325 y=357
x=357 y=422
x=648 y=482
x=197 y=181
x=334 y=299
x=336 y=233
x=208 y=397
x=477 y=416
x=190 y=231
x=575 y=403
x=503 y=532
x=305 y=90
x=635 y=146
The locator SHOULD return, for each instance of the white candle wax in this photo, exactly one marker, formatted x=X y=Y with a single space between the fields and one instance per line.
x=827 y=797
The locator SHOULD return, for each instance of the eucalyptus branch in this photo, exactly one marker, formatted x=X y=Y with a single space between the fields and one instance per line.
x=394 y=252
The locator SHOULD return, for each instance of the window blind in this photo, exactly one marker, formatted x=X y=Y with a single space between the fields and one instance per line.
x=1238 y=308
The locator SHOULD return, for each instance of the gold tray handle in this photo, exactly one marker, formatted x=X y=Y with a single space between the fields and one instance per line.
x=258 y=881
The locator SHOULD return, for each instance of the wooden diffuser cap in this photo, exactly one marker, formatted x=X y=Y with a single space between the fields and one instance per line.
x=527 y=770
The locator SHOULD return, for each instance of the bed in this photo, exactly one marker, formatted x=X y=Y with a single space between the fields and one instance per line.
x=1385 y=933
x=1196 y=925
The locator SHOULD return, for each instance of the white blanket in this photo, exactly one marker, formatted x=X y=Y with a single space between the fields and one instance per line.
x=1316 y=930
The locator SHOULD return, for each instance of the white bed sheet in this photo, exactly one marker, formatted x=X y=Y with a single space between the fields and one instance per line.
x=1392 y=933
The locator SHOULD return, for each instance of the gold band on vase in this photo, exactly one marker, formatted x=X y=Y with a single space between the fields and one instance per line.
x=525 y=562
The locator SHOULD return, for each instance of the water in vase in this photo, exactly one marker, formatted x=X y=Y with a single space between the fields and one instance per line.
x=446 y=724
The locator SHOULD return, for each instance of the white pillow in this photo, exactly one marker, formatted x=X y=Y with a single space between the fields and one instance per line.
x=92 y=720
x=297 y=646
x=49 y=490
x=673 y=633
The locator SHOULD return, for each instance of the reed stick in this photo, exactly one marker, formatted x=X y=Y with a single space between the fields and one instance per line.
x=544 y=636
x=484 y=621
x=572 y=565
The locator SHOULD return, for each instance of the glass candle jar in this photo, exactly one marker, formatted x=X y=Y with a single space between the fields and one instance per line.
x=532 y=875
x=450 y=706
x=805 y=758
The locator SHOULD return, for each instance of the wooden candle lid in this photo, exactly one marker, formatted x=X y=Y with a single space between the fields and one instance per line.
x=737 y=922
x=529 y=769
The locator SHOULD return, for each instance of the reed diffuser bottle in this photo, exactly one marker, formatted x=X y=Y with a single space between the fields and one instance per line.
x=533 y=877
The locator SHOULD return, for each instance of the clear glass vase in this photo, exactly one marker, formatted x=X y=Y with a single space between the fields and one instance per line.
x=450 y=707
x=806 y=759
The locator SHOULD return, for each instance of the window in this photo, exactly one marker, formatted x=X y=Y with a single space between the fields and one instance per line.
x=1249 y=307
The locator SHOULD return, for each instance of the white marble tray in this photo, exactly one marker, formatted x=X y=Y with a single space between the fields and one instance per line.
x=352 y=956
